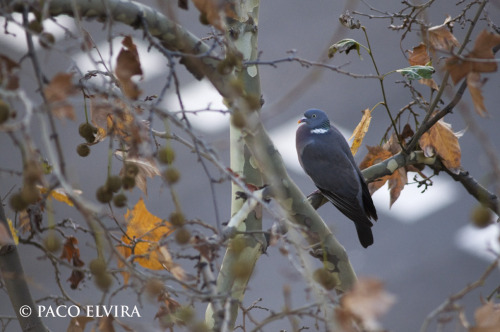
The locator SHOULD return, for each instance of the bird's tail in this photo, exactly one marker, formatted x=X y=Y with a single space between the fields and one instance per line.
x=365 y=235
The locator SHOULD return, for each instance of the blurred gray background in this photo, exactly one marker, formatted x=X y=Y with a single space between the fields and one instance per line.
x=425 y=247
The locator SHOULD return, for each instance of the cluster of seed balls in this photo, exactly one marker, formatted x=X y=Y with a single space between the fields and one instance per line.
x=88 y=132
x=108 y=192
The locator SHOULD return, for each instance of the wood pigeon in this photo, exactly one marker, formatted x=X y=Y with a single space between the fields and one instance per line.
x=326 y=157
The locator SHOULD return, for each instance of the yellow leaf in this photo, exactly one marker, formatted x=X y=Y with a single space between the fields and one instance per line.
x=360 y=131
x=59 y=194
x=149 y=230
x=13 y=231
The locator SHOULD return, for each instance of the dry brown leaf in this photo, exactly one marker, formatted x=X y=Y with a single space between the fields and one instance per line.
x=215 y=11
x=474 y=84
x=87 y=41
x=397 y=180
x=461 y=67
x=441 y=38
x=483 y=49
x=113 y=116
x=24 y=222
x=100 y=107
x=8 y=73
x=366 y=303
x=204 y=247
x=174 y=268
x=106 y=324
x=60 y=87
x=166 y=312
x=128 y=65
x=419 y=56
x=440 y=140
x=147 y=168
x=392 y=145
x=407 y=132
x=487 y=318
x=70 y=249
x=77 y=324
x=76 y=275
x=375 y=155
x=360 y=131
x=150 y=229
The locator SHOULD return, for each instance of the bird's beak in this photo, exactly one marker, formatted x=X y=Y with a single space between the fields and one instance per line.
x=302 y=120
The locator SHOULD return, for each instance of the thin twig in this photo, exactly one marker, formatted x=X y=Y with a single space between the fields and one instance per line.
x=450 y=302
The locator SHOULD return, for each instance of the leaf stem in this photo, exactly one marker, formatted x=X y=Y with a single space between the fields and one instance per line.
x=381 y=80
x=376 y=105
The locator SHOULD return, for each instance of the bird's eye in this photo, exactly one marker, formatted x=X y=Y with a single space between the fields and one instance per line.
x=314 y=115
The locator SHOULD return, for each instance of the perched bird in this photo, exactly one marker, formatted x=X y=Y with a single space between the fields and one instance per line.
x=326 y=157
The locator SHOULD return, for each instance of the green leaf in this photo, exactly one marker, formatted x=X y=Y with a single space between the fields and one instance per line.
x=417 y=72
x=345 y=45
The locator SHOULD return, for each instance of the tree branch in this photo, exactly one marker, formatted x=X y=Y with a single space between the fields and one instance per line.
x=448 y=304
x=12 y=274
x=172 y=35
x=390 y=165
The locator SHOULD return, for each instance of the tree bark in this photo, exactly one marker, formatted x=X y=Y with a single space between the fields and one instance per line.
x=229 y=282
x=14 y=279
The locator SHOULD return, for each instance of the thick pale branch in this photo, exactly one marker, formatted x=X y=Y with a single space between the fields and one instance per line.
x=299 y=211
x=15 y=282
x=172 y=35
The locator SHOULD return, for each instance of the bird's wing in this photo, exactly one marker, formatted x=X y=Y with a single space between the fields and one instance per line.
x=350 y=208
x=327 y=160
x=337 y=179
x=368 y=205
x=367 y=200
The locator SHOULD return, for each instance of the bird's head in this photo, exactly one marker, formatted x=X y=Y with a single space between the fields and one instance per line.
x=316 y=120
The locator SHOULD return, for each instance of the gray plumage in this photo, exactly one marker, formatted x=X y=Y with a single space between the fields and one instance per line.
x=326 y=157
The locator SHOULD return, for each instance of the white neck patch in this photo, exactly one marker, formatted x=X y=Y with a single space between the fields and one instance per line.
x=319 y=131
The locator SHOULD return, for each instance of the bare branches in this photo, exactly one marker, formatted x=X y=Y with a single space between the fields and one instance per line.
x=307 y=64
x=450 y=304
x=231 y=62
